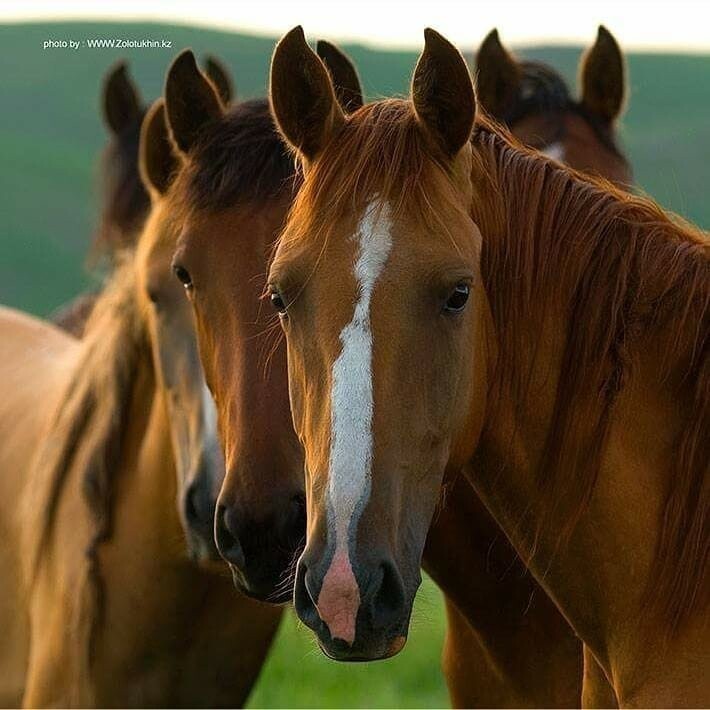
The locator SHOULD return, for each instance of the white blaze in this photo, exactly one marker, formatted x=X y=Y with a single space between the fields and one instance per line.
x=555 y=151
x=210 y=442
x=351 y=395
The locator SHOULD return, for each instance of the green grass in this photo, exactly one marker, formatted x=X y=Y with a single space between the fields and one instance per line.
x=50 y=136
x=298 y=675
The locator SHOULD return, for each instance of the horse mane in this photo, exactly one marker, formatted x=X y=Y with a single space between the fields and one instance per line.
x=238 y=158
x=622 y=268
x=88 y=427
x=124 y=199
x=625 y=270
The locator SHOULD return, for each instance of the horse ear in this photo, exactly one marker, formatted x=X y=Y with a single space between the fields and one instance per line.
x=602 y=76
x=191 y=101
x=346 y=82
x=443 y=95
x=219 y=76
x=120 y=99
x=497 y=75
x=302 y=97
x=157 y=161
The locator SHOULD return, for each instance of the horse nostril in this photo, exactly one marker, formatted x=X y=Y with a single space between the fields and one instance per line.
x=388 y=601
x=227 y=538
x=304 y=598
x=192 y=508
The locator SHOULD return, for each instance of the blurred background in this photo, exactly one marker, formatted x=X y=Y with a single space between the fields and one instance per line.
x=51 y=134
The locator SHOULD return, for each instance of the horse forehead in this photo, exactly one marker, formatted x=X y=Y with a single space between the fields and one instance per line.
x=586 y=151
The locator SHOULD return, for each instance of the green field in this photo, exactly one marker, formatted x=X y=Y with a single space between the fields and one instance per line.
x=51 y=133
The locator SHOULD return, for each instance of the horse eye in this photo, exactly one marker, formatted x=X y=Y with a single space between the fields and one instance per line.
x=456 y=301
x=183 y=276
x=278 y=303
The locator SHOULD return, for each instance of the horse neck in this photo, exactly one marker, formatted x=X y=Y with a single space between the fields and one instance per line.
x=144 y=511
x=558 y=464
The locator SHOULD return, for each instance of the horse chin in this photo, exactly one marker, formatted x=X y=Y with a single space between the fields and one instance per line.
x=338 y=650
x=264 y=591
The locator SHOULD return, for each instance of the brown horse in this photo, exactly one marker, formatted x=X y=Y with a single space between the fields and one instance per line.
x=451 y=298
x=232 y=197
x=124 y=199
x=91 y=523
x=533 y=101
x=518 y=650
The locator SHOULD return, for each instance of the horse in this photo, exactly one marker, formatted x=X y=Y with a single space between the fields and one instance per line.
x=454 y=301
x=124 y=200
x=233 y=194
x=533 y=101
x=110 y=465
x=519 y=650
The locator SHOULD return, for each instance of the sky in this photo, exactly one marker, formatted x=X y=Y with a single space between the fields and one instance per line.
x=639 y=24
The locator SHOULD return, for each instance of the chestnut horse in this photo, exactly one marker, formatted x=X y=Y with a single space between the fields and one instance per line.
x=231 y=198
x=533 y=101
x=124 y=198
x=451 y=299
x=101 y=604
x=233 y=195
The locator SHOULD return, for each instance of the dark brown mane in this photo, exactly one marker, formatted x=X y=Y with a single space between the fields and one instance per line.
x=614 y=268
x=238 y=158
x=89 y=426
x=543 y=91
x=124 y=199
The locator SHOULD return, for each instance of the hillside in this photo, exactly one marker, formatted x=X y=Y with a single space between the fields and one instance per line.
x=50 y=132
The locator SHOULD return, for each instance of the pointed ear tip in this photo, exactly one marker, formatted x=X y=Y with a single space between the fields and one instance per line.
x=434 y=38
x=185 y=58
x=185 y=61
x=290 y=40
x=117 y=73
x=431 y=36
x=324 y=47
x=296 y=33
x=603 y=34
x=120 y=67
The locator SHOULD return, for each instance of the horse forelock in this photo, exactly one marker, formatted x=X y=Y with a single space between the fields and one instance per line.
x=239 y=158
x=542 y=91
x=380 y=155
